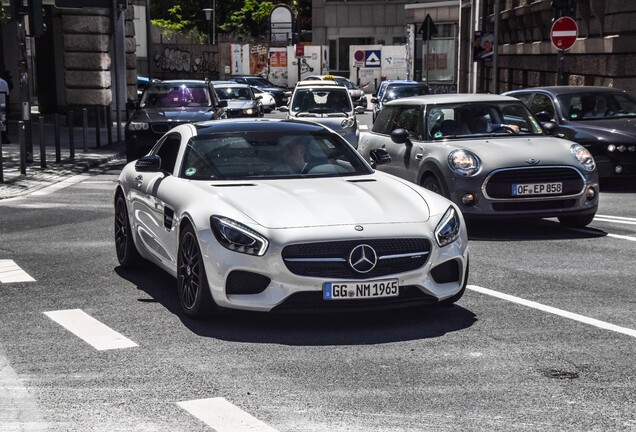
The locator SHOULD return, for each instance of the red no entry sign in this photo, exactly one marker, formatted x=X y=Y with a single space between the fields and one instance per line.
x=564 y=33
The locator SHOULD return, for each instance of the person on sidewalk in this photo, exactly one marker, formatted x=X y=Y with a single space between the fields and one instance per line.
x=4 y=104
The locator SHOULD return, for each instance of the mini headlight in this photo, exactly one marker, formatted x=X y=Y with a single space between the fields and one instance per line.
x=584 y=157
x=348 y=122
x=447 y=230
x=237 y=237
x=136 y=126
x=611 y=148
x=464 y=162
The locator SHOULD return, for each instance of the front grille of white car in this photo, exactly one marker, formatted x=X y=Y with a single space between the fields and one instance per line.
x=331 y=259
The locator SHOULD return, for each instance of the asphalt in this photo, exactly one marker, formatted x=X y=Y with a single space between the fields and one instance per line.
x=88 y=154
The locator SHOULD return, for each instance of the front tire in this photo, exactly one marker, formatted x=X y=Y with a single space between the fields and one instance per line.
x=580 y=221
x=192 y=283
x=127 y=253
x=433 y=185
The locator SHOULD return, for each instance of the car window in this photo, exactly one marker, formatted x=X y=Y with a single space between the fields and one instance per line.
x=175 y=95
x=523 y=97
x=401 y=91
x=597 y=105
x=542 y=103
x=399 y=117
x=229 y=93
x=315 y=101
x=168 y=151
x=275 y=154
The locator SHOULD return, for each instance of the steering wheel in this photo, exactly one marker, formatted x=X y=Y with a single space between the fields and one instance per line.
x=505 y=128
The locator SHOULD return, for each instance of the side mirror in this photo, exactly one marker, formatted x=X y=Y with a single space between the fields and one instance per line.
x=374 y=100
x=132 y=105
x=222 y=104
x=359 y=110
x=380 y=156
x=149 y=164
x=399 y=136
x=544 y=116
x=259 y=97
x=288 y=94
x=551 y=128
x=283 y=108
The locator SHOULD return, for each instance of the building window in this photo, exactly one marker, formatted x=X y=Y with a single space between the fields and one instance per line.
x=442 y=56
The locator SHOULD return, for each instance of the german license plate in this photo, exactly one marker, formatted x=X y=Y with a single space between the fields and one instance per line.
x=356 y=290
x=536 y=189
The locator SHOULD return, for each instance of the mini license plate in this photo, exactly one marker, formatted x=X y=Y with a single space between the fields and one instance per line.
x=356 y=290
x=536 y=189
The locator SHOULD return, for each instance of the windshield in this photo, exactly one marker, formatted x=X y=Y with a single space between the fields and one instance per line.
x=478 y=119
x=272 y=154
x=238 y=93
x=175 y=95
x=597 y=105
x=316 y=101
x=396 y=92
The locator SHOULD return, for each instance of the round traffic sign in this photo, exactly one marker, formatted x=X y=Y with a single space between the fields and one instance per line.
x=359 y=55
x=564 y=33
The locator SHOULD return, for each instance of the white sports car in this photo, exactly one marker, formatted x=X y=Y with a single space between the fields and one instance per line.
x=285 y=215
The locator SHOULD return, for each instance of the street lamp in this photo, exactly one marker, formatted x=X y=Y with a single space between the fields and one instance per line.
x=208 y=17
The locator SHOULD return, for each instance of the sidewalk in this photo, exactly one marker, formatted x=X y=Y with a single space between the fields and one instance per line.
x=16 y=184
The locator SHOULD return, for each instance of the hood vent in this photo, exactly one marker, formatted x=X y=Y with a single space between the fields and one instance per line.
x=362 y=181
x=234 y=185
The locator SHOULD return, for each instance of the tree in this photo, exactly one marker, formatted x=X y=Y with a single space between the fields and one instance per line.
x=251 y=21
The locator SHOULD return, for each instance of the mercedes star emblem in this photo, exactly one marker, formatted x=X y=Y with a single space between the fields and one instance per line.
x=363 y=258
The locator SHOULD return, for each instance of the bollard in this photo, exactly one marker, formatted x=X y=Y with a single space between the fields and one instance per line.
x=98 y=132
x=42 y=144
x=1 y=169
x=109 y=125
x=85 y=129
x=22 y=141
x=71 y=134
x=58 y=148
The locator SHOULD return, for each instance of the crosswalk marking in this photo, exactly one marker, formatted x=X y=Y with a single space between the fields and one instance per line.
x=223 y=416
x=87 y=328
x=11 y=272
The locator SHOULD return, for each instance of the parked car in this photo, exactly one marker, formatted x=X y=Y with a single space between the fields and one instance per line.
x=601 y=119
x=395 y=89
x=241 y=100
x=279 y=94
x=486 y=153
x=327 y=103
x=220 y=206
x=164 y=105
x=357 y=95
x=267 y=99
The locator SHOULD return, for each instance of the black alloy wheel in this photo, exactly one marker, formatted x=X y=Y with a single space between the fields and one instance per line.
x=192 y=282
x=127 y=253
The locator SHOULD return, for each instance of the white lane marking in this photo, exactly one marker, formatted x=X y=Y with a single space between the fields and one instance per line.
x=615 y=219
x=555 y=311
x=87 y=328
x=11 y=272
x=622 y=237
x=223 y=416
x=363 y=127
x=61 y=185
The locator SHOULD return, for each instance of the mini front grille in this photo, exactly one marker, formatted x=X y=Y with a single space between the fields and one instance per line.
x=331 y=259
x=500 y=184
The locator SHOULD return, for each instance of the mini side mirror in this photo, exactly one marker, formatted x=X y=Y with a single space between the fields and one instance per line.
x=374 y=100
x=283 y=108
x=399 y=136
x=551 y=128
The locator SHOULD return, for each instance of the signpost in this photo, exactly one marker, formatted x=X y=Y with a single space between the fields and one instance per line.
x=427 y=30
x=563 y=35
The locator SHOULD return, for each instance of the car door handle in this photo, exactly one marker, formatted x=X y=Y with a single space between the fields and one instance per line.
x=139 y=179
x=419 y=156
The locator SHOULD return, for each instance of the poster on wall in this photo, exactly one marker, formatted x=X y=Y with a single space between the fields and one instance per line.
x=258 y=60
x=394 y=62
x=278 y=66
x=483 y=46
x=236 y=58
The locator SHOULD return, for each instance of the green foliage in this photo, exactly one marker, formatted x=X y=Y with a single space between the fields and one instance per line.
x=251 y=21
x=5 y=15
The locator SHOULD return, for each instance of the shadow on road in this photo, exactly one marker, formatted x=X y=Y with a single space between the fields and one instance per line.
x=527 y=230
x=310 y=329
x=619 y=185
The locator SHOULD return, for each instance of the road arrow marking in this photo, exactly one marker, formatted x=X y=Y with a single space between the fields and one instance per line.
x=222 y=416
x=11 y=272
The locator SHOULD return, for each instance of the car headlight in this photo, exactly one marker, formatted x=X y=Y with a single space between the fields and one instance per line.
x=447 y=230
x=237 y=237
x=249 y=111
x=348 y=122
x=137 y=126
x=464 y=162
x=584 y=156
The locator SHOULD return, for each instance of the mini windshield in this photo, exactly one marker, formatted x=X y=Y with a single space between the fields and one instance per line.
x=229 y=93
x=597 y=105
x=402 y=91
x=315 y=101
x=175 y=95
x=478 y=119
x=272 y=154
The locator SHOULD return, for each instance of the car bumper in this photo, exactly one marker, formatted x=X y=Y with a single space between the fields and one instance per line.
x=283 y=290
